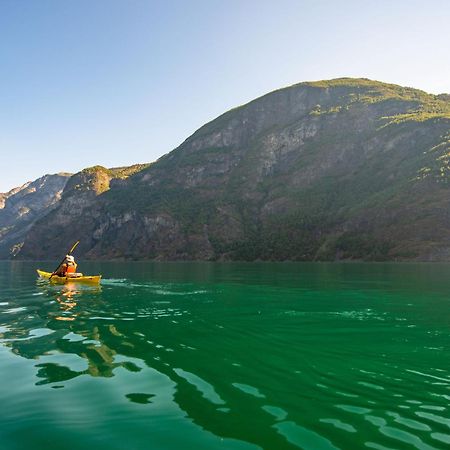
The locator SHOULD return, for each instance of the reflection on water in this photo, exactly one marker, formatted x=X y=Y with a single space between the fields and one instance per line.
x=66 y=295
x=246 y=357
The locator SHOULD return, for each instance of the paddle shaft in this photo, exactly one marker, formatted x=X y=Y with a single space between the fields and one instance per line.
x=70 y=251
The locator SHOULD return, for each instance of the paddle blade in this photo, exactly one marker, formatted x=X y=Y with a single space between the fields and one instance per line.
x=73 y=247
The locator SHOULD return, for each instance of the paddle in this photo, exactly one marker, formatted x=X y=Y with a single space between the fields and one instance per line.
x=70 y=251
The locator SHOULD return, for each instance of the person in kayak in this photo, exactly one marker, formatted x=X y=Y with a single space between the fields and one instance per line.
x=68 y=268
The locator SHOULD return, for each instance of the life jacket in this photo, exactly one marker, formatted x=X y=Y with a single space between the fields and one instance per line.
x=71 y=268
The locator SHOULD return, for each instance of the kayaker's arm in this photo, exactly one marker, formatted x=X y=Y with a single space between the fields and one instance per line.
x=61 y=270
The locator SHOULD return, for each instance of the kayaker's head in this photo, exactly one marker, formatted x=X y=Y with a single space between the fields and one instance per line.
x=70 y=259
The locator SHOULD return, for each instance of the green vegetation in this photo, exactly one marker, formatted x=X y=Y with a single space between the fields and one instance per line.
x=125 y=172
x=115 y=172
x=97 y=178
x=438 y=167
x=424 y=106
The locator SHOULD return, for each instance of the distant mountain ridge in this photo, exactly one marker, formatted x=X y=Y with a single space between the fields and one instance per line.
x=338 y=169
x=22 y=206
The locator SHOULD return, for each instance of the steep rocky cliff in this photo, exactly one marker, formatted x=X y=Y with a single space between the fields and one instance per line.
x=347 y=168
x=74 y=211
x=22 y=206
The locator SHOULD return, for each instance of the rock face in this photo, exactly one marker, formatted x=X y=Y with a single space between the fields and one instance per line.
x=22 y=206
x=347 y=168
x=72 y=215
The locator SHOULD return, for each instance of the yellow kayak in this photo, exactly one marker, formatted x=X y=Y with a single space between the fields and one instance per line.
x=95 y=279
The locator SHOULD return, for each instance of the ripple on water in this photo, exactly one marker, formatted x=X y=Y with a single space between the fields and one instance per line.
x=441 y=437
x=15 y=310
x=354 y=409
x=74 y=337
x=139 y=397
x=376 y=421
x=275 y=411
x=57 y=361
x=207 y=390
x=409 y=423
x=248 y=390
x=405 y=437
x=433 y=418
x=378 y=446
x=340 y=425
x=371 y=385
x=433 y=407
x=429 y=375
x=303 y=437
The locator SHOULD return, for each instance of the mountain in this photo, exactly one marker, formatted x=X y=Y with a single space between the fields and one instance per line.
x=22 y=206
x=338 y=169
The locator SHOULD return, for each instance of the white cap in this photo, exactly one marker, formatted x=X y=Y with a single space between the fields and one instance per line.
x=70 y=258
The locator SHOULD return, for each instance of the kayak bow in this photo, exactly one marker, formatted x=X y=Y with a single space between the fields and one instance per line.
x=57 y=279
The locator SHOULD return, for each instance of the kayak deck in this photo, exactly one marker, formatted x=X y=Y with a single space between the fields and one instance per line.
x=83 y=279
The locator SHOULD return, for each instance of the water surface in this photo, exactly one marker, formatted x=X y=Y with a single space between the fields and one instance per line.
x=226 y=356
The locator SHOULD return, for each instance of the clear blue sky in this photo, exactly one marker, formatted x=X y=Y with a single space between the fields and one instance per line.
x=116 y=82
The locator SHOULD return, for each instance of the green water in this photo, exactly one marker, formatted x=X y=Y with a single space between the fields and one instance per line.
x=226 y=356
